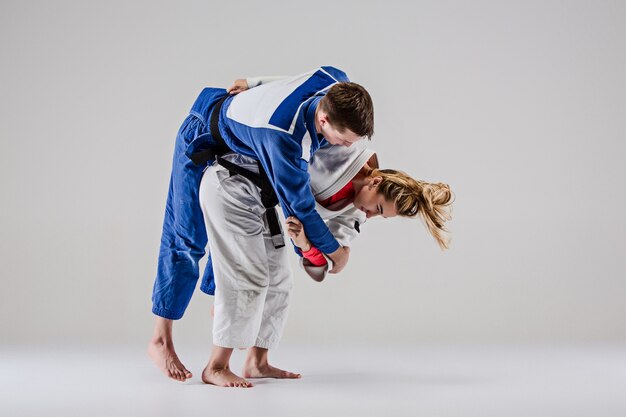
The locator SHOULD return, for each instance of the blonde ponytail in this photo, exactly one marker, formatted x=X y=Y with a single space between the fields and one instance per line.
x=431 y=201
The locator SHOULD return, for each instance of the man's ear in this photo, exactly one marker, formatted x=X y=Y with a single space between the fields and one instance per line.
x=322 y=116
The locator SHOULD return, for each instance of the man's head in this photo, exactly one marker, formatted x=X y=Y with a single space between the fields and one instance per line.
x=345 y=114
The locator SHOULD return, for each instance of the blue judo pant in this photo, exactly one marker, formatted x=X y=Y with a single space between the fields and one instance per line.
x=184 y=238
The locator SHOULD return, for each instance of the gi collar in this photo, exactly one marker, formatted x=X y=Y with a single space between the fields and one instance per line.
x=309 y=119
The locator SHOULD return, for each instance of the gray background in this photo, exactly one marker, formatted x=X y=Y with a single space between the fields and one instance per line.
x=519 y=106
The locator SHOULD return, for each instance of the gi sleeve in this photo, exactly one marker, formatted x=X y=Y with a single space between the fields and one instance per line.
x=280 y=156
x=344 y=227
x=318 y=273
x=256 y=81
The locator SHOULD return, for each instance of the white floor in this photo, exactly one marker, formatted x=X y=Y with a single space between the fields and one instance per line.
x=430 y=381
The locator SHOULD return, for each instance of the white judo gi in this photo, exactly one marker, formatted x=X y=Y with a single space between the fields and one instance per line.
x=253 y=279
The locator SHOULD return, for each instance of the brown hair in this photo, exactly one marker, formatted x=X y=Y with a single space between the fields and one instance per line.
x=349 y=106
x=431 y=201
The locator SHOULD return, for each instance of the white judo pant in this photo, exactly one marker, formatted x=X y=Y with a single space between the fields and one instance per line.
x=253 y=279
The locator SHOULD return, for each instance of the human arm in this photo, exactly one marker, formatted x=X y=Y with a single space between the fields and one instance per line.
x=269 y=132
x=314 y=256
x=347 y=225
x=344 y=227
x=340 y=259
x=314 y=262
x=297 y=235
x=242 y=84
x=318 y=232
x=280 y=156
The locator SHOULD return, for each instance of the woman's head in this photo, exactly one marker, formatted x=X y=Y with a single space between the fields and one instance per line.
x=393 y=193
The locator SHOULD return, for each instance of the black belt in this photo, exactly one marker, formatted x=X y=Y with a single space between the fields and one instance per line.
x=260 y=179
x=203 y=156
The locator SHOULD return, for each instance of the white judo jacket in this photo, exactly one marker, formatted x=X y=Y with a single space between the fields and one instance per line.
x=331 y=168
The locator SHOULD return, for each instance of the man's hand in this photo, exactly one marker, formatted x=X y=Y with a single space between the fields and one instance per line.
x=296 y=233
x=339 y=258
x=239 y=86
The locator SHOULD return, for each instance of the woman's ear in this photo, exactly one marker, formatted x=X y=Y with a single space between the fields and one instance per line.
x=375 y=181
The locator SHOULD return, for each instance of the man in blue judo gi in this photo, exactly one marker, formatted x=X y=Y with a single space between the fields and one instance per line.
x=280 y=124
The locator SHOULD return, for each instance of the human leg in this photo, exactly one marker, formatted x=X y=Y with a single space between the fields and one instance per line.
x=257 y=366
x=278 y=296
x=161 y=350
x=217 y=372
x=184 y=236
x=182 y=245
x=274 y=317
x=233 y=218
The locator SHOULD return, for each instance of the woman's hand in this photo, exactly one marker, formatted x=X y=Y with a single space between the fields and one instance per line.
x=239 y=86
x=296 y=233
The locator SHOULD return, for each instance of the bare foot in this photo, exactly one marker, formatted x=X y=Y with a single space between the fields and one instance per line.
x=165 y=358
x=223 y=377
x=267 y=371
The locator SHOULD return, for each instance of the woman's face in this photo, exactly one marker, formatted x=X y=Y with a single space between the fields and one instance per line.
x=372 y=203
